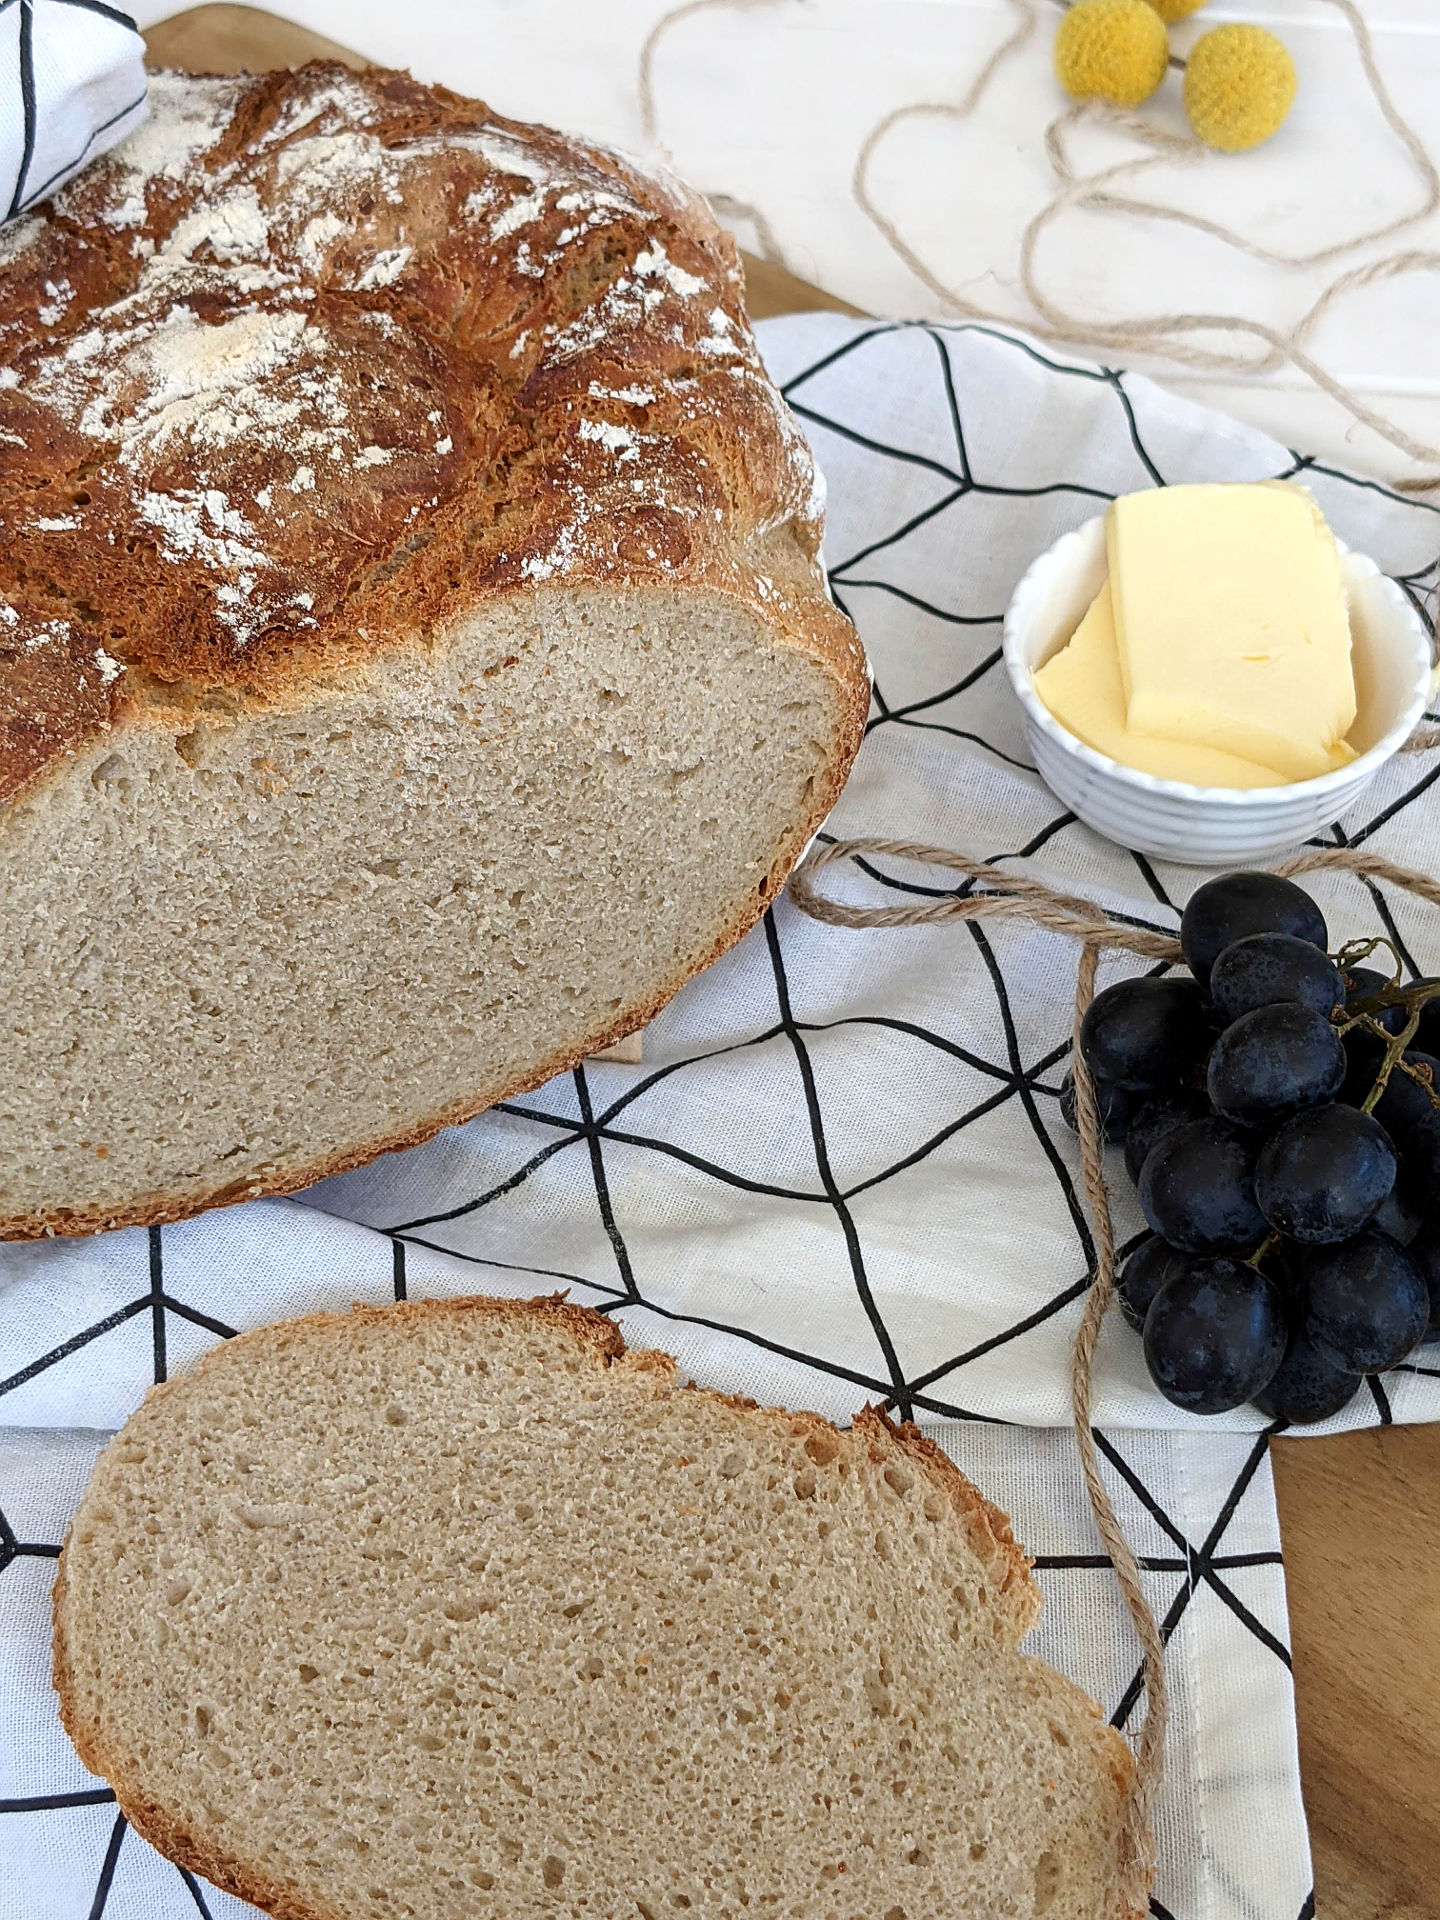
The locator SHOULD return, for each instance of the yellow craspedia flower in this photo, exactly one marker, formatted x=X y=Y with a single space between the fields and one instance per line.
x=1112 y=50
x=1239 y=83
x=1172 y=10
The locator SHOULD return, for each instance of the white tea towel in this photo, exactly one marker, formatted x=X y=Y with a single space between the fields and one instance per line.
x=841 y=1171
x=840 y=1174
x=74 y=85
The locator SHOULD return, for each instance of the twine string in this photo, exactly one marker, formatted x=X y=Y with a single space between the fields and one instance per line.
x=1012 y=896
x=1371 y=866
x=1176 y=337
x=1150 y=1753
x=1168 y=335
x=728 y=205
x=1186 y=148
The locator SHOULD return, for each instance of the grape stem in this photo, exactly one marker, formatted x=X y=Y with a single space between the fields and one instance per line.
x=1267 y=1245
x=1395 y=1045
x=1412 y=999
x=1355 y=952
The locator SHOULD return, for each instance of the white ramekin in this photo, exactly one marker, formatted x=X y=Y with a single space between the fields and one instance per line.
x=1211 y=826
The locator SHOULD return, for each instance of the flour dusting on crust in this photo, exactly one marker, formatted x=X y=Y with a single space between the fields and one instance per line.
x=317 y=356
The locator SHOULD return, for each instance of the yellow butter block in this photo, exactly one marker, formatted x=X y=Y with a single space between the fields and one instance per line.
x=1231 y=624
x=1081 y=686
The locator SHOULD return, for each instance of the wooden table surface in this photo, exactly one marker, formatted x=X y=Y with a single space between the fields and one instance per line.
x=1359 y=1514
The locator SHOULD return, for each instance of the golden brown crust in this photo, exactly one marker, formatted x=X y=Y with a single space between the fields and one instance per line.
x=987 y=1527
x=151 y=1821
x=987 y=1531
x=324 y=360
x=589 y=1329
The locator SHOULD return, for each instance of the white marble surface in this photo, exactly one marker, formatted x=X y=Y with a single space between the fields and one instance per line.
x=768 y=101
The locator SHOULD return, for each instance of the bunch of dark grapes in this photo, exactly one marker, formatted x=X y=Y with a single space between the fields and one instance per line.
x=1280 y=1115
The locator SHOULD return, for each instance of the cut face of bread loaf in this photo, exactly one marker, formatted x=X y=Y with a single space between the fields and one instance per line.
x=414 y=663
x=457 y=1609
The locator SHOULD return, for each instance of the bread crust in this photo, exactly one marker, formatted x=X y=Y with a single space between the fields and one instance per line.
x=256 y=446
x=245 y=449
x=1015 y=1599
x=988 y=1528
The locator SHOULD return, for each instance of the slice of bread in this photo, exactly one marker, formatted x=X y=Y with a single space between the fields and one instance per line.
x=458 y=1609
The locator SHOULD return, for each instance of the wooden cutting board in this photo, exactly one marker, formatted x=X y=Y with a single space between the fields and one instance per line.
x=1360 y=1513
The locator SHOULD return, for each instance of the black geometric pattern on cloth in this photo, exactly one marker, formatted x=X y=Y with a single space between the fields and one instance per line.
x=1029 y=1085
x=28 y=193
x=1175 y=1577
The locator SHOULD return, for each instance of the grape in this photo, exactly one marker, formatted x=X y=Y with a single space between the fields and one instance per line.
x=1322 y=1175
x=1266 y=967
x=1228 y=908
x=1427 y=1034
x=1197 y=1189
x=1113 y=1105
x=1145 y=1271
x=1397 y=1217
x=1363 y=1054
x=1363 y=983
x=1214 y=1335
x=1420 y=1166
x=1144 y=1033
x=1365 y=1302
x=1424 y=1250
x=1405 y=1103
x=1274 y=1062
x=1154 y=1116
x=1306 y=1386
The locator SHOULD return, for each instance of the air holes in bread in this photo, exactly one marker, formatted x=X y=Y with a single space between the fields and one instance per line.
x=1049 y=1878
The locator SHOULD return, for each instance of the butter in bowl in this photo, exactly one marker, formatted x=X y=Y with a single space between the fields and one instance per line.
x=1207 y=674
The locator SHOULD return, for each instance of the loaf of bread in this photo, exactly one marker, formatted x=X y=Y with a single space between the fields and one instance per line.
x=457 y=1609
x=414 y=663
